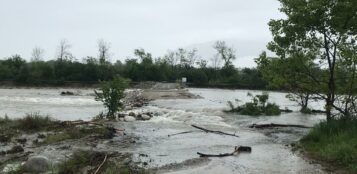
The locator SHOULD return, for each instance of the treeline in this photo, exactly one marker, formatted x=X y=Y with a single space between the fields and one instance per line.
x=219 y=72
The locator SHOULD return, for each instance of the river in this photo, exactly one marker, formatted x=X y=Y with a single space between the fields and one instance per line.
x=177 y=154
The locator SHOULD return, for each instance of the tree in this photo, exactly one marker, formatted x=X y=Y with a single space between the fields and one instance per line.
x=37 y=54
x=286 y=74
x=320 y=31
x=63 y=52
x=103 y=51
x=146 y=58
x=111 y=93
x=227 y=54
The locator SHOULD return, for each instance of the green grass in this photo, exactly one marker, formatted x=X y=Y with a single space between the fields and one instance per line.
x=334 y=141
x=30 y=123
x=79 y=132
x=82 y=158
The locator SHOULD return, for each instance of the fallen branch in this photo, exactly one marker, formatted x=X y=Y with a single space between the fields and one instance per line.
x=186 y=132
x=271 y=125
x=215 y=132
x=105 y=159
x=236 y=151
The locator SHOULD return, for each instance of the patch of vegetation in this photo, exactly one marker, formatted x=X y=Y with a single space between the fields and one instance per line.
x=19 y=170
x=111 y=93
x=334 y=141
x=306 y=110
x=81 y=159
x=80 y=132
x=258 y=106
x=33 y=122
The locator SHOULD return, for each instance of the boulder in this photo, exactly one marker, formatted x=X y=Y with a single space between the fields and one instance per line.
x=15 y=149
x=129 y=118
x=121 y=115
x=145 y=117
x=128 y=108
x=67 y=93
x=37 y=164
x=132 y=114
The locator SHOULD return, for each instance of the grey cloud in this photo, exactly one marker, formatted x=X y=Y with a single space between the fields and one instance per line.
x=156 y=25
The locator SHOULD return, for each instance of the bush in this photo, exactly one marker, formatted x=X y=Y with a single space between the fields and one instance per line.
x=334 y=141
x=306 y=110
x=258 y=106
x=111 y=94
x=272 y=109
x=250 y=109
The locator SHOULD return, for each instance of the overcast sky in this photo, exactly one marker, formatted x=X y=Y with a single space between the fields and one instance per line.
x=155 y=25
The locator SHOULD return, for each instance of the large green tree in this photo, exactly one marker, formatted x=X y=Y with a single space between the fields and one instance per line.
x=323 y=31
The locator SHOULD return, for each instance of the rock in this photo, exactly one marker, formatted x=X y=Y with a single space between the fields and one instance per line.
x=128 y=108
x=41 y=136
x=138 y=104
x=5 y=138
x=21 y=140
x=129 y=118
x=145 y=117
x=121 y=115
x=15 y=149
x=132 y=114
x=67 y=93
x=37 y=164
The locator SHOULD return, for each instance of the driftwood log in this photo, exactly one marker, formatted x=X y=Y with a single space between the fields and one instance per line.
x=213 y=131
x=180 y=133
x=272 y=125
x=236 y=151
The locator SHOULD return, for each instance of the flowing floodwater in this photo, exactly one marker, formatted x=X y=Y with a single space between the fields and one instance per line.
x=178 y=154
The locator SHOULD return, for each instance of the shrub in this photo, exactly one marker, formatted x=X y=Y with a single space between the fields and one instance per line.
x=111 y=94
x=258 y=106
x=306 y=110
x=250 y=109
x=272 y=109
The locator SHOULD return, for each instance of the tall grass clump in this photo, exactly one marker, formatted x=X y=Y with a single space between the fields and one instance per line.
x=35 y=122
x=334 y=141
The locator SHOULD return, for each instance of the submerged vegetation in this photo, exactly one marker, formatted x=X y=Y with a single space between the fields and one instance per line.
x=334 y=141
x=259 y=105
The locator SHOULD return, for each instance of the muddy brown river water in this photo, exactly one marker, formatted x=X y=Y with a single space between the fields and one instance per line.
x=177 y=154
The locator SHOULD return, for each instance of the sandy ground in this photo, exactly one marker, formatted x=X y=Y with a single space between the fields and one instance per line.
x=154 y=94
x=157 y=90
